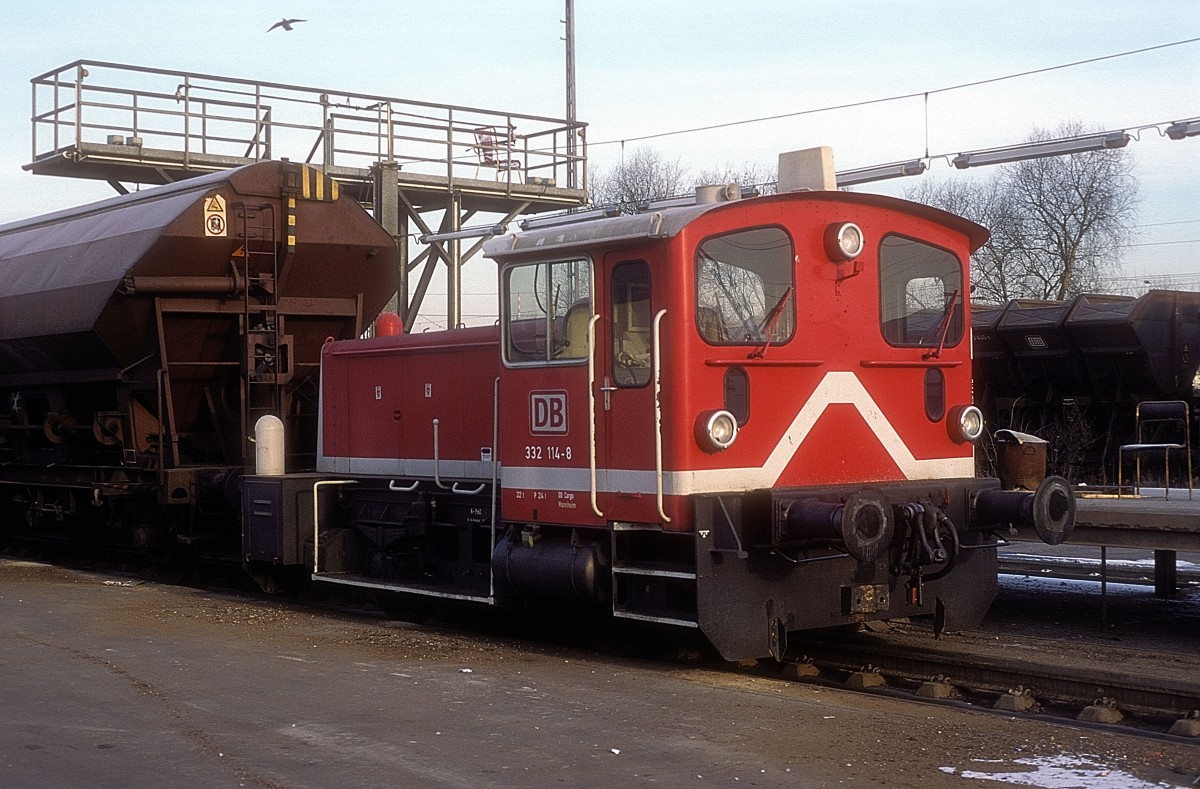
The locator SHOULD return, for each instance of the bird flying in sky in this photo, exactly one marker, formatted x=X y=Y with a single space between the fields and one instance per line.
x=286 y=24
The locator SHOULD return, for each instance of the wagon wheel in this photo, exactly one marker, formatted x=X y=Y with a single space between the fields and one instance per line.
x=402 y=607
x=30 y=511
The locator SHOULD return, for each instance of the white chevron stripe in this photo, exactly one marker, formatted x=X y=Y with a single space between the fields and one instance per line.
x=835 y=387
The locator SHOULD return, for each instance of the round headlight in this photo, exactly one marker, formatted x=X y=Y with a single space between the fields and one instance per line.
x=967 y=423
x=843 y=242
x=716 y=430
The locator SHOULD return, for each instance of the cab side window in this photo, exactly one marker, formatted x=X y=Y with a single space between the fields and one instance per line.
x=632 y=320
x=547 y=307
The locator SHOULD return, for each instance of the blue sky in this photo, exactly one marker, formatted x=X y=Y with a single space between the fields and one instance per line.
x=645 y=68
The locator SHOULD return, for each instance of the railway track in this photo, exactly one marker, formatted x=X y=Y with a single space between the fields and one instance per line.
x=1055 y=650
x=1087 y=569
x=1035 y=671
x=1140 y=689
x=1041 y=651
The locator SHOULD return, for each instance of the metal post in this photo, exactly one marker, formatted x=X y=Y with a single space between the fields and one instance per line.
x=387 y=214
x=453 y=264
x=571 y=141
x=80 y=72
x=1166 y=581
x=1103 y=587
x=402 y=262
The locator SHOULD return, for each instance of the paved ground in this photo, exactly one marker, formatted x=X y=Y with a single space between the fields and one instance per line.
x=108 y=685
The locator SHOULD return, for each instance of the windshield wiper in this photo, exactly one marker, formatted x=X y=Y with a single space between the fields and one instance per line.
x=944 y=326
x=768 y=327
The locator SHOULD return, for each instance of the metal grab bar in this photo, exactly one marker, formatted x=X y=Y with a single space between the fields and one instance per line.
x=591 y=354
x=437 y=460
x=658 y=452
x=495 y=474
x=393 y=486
x=437 y=468
x=316 y=494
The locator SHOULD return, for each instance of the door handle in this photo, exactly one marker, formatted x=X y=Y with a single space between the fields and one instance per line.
x=608 y=389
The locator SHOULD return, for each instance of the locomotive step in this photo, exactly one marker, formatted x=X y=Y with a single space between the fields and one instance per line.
x=656 y=570
x=662 y=620
x=429 y=590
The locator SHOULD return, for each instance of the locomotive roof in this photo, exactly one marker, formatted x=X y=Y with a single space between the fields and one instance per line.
x=668 y=222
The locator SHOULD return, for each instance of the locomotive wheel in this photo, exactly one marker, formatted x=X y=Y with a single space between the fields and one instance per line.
x=30 y=511
x=174 y=568
x=608 y=635
x=274 y=579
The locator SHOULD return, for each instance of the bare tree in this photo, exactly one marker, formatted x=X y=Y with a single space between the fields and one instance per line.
x=644 y=174
x=1076 y=214
x=996 y=275
x=1059 y=224
x=647 y=174
x=746 y=174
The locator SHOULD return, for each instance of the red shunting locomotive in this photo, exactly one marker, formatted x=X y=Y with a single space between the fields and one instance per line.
x=748 y=416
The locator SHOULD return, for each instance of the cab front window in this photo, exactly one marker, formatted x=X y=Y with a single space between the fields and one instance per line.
x=921 y=294
x=744 y=287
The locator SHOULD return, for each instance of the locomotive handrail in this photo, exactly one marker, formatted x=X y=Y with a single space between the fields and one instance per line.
x=495 y=475
x=591 y=354
x=437 y=468
x=658 y=451
x=316 y=494
x=763 y=362
x=437 y=460
x=878 y=363
x=196 y=120
x=393 y=486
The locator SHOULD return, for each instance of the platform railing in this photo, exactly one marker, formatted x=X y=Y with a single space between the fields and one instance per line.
x=204 y=120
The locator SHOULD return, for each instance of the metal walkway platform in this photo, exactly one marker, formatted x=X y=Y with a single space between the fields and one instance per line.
x=406 y=160
x=119 y=163
x=1164 y=526
x=1139 y=523
x=130 y=124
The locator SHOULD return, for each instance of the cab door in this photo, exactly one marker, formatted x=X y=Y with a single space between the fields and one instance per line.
x=628 y=436
x=546 y=429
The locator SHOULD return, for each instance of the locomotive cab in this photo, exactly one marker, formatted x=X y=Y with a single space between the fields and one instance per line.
x=716 y=385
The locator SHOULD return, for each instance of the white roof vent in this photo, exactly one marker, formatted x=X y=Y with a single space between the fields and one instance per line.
x=809 y=170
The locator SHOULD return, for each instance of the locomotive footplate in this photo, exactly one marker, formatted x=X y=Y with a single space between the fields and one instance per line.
x=772 y=562
x=417 y=538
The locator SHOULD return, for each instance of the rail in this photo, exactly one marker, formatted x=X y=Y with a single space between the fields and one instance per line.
x=205 y=122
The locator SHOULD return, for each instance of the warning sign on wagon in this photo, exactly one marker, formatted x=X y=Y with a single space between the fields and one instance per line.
x=214 y=216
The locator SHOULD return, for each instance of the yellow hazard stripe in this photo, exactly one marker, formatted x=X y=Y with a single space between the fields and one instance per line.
x=315 y=185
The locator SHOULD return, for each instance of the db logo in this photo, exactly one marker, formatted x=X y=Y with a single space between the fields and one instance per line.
x=1035 y=342
x=547 y=412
